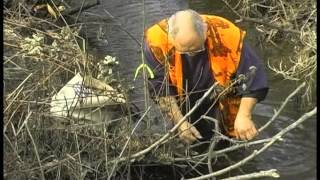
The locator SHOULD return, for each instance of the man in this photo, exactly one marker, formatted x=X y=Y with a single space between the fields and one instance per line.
x=189 y=53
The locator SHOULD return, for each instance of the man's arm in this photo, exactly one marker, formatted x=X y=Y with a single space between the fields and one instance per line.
x=167 y=102
x=169 y=107
x=243 y=125
x=255 y=92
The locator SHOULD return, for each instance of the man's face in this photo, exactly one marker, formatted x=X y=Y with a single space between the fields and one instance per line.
x=189 y=43
x=186 y=39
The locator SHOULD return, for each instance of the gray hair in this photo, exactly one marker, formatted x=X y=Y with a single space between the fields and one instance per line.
x=196 y=20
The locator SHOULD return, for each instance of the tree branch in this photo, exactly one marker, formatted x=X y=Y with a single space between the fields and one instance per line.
x=257 y=152
x=172 y=130
x=270 y=173
x=282 y=106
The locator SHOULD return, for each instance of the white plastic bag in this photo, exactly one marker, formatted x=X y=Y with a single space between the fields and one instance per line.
x=79 y=99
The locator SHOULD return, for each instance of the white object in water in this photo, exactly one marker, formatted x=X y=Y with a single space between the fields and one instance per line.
x=77 y=99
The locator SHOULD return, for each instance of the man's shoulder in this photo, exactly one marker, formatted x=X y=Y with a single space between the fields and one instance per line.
x=161 y=24
x=218 y=21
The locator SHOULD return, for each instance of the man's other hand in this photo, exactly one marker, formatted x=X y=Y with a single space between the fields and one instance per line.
x=188 y=133
x=245 y=128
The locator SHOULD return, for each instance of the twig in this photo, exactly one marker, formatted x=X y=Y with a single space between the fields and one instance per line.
x=81 y=8
x=258 y=21
x=24 y=123
x=238 y=146
x=257 y=152
x=36 y=151
x=126 y=144
x=74 y=37
x=13 y=113
x=123 y=29
x=282 y=106
x=9 y=96
x=79 y=155
x=211 y=152
x=12 y=147
x=232 y=148
x=172 y=130
x=270 y=173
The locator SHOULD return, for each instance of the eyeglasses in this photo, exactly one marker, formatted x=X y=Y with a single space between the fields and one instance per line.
x=192 y=53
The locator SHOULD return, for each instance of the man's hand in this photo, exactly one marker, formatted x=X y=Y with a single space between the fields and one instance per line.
x=243 y=125
x=244 y=128
x=169 y=107
x=188 y=133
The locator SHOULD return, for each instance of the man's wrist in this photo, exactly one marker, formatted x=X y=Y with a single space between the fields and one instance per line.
x=169 y=106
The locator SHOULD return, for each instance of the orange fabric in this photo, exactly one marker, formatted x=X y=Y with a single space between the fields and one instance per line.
x=163 y=51
x=229 y=107
x=224 y=43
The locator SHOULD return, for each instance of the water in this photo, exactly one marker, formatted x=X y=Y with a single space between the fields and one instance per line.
x=110 y=28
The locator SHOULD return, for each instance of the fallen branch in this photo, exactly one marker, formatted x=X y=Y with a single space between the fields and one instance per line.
x=270 y=173
x=257 y=152
x=125 y=146
x=231 y=148
x=211 y=152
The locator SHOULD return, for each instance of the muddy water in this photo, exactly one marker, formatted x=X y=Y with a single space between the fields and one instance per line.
x=114 y=27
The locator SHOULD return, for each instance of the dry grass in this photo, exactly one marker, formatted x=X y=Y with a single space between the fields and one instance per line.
x=39 y=59
x=286 y=22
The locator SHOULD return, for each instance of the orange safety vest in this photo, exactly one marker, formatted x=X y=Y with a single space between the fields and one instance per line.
x=224 y=43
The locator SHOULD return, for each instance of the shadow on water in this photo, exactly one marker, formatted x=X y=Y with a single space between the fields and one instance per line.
x=110 y=28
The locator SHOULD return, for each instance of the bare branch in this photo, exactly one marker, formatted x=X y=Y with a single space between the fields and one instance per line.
x=282 y=106
x=36 y=151
x=270 y=173
x=257 y=152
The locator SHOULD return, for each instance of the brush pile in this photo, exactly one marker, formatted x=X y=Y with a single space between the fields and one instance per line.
x=40 y=58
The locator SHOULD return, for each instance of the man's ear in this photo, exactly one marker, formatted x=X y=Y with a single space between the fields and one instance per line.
x=170 y=39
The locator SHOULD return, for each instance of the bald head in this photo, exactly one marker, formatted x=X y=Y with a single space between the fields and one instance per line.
x=187 y=30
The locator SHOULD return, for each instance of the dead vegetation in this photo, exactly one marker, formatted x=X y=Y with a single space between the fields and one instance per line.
x=288 y=25
x=40 y=58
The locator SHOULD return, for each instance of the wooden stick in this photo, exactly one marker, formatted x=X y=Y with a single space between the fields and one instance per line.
x=270 y=173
